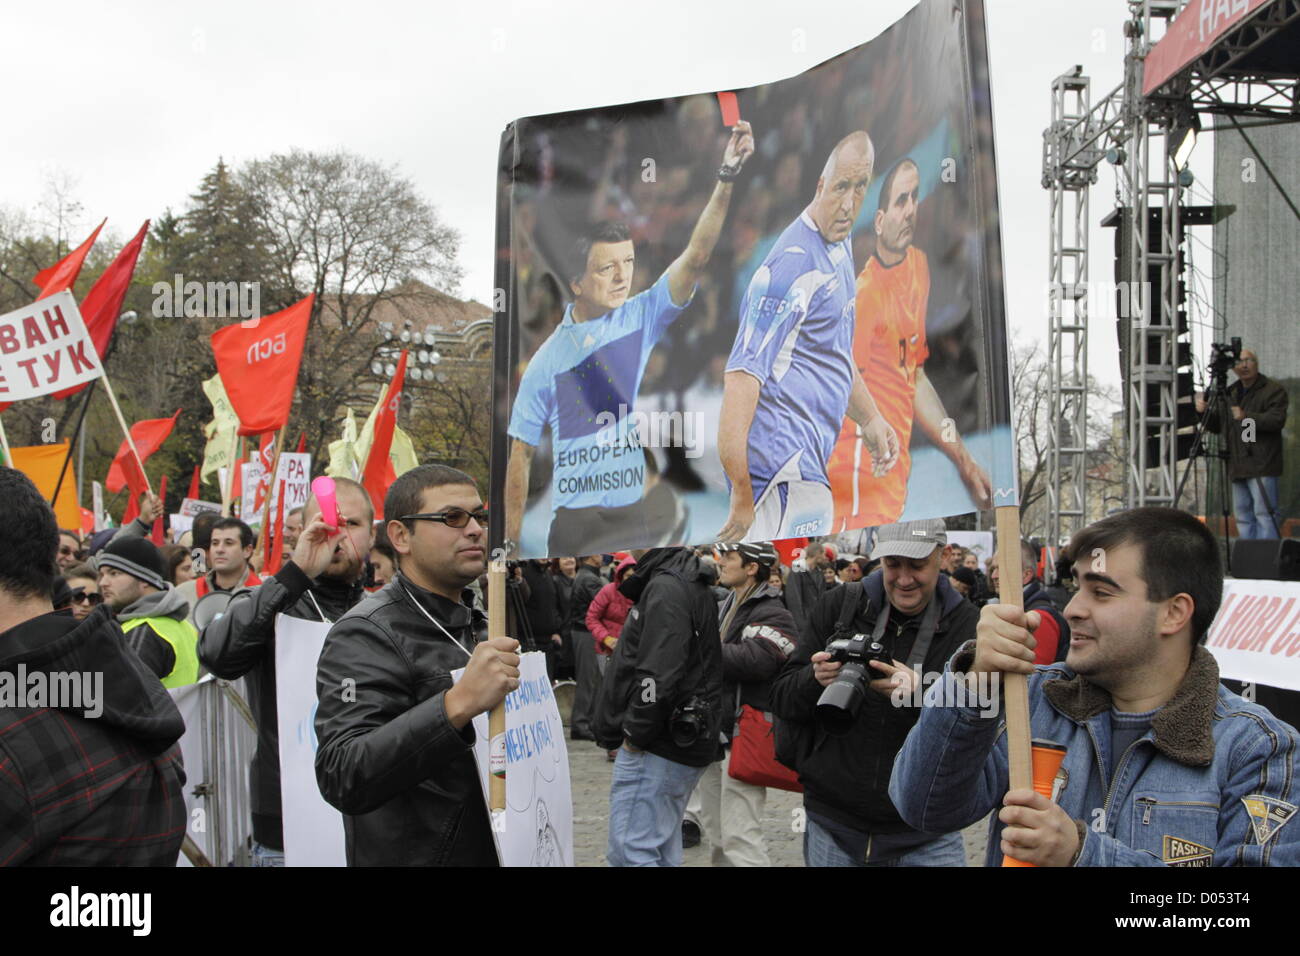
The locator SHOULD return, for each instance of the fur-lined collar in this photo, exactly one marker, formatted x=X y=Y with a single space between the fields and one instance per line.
x=1183 y=727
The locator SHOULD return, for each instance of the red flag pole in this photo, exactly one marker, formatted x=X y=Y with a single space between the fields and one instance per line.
x=156 y=532
x=121 y=420
x=194 y=484
x=270 y=487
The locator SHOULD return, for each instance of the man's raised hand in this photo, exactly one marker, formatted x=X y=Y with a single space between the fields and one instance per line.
x=315 y=548
x=1004 y=641
x=492 y=672
x=740 y=147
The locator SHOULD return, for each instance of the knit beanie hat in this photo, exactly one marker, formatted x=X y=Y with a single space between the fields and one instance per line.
x=137 y=557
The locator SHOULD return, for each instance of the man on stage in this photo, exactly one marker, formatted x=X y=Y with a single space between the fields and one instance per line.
x=583 y=381
x=790 y=378
x=889 y=352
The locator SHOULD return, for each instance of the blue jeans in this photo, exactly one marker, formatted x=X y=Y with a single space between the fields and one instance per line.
x=647 y=798
x=1254 y=519
x=820 y=849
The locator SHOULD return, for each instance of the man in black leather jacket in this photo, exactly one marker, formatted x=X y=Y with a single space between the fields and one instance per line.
x=666 y=671
x=320 y=582
x=396 y=741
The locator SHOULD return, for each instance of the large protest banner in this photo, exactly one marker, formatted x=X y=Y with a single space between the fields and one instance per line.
x=44 y=348
x=537 y=828
x=769 y=314
x=313 y=830
x=294 y=470
x=1256 y=635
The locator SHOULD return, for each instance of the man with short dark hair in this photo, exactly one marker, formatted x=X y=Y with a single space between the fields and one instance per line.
x=396 y=742
x=89 y=776
x=321 y=581
x=919 y=620
x=1163 y=765
x=230 y=554
x=153 y=615
x=582 y=382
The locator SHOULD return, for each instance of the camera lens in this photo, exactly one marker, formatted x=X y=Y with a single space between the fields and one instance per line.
x=838 y=705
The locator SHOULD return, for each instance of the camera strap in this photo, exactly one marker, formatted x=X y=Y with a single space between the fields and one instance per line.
x=924 y=634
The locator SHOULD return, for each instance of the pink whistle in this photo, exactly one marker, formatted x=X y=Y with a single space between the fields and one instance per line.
x=323 y=489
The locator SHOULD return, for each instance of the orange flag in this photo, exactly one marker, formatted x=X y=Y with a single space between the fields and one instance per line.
x=63 y=273
x=379 y=473
x=103 y=303
x=258 y=362
x=149 y=436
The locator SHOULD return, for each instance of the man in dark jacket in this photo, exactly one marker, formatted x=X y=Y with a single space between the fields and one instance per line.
x=758 y=636
x=910 y=608
x=396 y=742
x=89 y=774
x=661 y=699
x=803 y=589
x=1252 y=427
x=586 y=584
x=320 y=582
x=542 y=608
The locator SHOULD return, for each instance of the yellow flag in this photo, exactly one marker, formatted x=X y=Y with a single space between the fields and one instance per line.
x=402 y=451
x=343 y=453
x=220 y=431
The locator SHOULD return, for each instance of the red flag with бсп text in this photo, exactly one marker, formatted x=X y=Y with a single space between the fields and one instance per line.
x=258 y=361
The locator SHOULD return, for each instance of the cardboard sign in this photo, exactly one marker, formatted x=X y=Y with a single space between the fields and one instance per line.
x=193 y=507
x=294 y=471
x=1256 y=635
x=44 y=348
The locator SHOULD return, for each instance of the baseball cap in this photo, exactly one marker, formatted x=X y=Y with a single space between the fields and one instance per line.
x=760 y=552
x=910 y=539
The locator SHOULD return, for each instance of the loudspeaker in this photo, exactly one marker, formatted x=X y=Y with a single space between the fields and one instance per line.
x=1270 y=558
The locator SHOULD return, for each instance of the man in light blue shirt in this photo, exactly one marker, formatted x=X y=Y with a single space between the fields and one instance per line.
x=582 y=383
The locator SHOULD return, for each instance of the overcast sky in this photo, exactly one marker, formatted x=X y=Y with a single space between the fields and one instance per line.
x=135 y=102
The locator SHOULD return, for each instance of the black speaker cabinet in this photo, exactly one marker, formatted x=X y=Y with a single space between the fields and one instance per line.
x=1270 y=558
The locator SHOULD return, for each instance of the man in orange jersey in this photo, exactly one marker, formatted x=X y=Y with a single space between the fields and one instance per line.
x=889 y=351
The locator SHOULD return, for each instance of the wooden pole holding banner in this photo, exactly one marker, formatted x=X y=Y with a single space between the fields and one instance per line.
x=4 y=445
x=1015 y=687
x=121 y=420
x=270 y=489
x=228 y=490
x=497 y=717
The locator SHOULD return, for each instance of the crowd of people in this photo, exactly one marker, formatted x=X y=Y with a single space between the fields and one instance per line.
x=707 y=675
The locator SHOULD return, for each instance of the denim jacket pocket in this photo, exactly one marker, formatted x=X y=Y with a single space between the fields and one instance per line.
x=1180 y=828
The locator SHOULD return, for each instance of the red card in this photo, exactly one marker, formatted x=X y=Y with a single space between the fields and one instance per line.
x=730 y=109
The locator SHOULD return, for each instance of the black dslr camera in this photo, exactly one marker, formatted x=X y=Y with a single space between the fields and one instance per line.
x=838 y=705
x=688 y=721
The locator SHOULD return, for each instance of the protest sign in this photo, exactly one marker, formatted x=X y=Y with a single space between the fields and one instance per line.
x=44 y=348
x=1256 y=635
x=313 y=830
x=537 y=827
x=294 y=470
x=790 y=327
x=193 y=507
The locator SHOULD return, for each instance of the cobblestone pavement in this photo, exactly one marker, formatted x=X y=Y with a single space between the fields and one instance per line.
x=590 y=774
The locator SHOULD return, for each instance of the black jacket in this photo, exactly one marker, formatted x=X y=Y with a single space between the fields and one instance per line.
x=586 y=585
x=1266 y=403
x=241 y=643
x=542 y=604
x=846 y=778
x=668 y=653
x=95 y=781
x=389 y=759
x=759 y=639
x=803 y=589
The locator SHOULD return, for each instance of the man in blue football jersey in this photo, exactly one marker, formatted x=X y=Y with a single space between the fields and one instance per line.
x=790 y=379
x=583 y=381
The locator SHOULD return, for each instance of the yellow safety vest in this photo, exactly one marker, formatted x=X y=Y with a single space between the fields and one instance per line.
x=184 y=641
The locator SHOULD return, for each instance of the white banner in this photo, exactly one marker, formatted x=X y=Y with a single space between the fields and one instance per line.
x=97 y=504
x=537 y=829
x=313 y=830
x=294 y=470
x=44 y=348
x=981 y=542
x=1256 y=635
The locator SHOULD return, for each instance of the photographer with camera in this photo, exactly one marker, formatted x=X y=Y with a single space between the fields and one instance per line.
x=839 y=724
x=1251 y=426
x=660 y=704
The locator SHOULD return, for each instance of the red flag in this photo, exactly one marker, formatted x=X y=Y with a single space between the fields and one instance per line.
x=149 y=436
x=156 y=534
x=379 y=472
x=132 y=507
x=194 y=485
x=266 y=461
x=272 y=565
x=63 y=273
x=238 y=489
x=103 y=303
x=302 y=442
x=258 y=362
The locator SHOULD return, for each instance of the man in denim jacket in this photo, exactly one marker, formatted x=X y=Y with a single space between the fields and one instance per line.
x=1163 y=765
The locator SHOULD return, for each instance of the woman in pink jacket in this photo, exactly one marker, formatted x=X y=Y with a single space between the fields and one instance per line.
x=608 y=611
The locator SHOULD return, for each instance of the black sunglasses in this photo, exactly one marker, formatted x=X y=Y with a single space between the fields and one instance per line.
x=452 y=517
x=87 y=597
